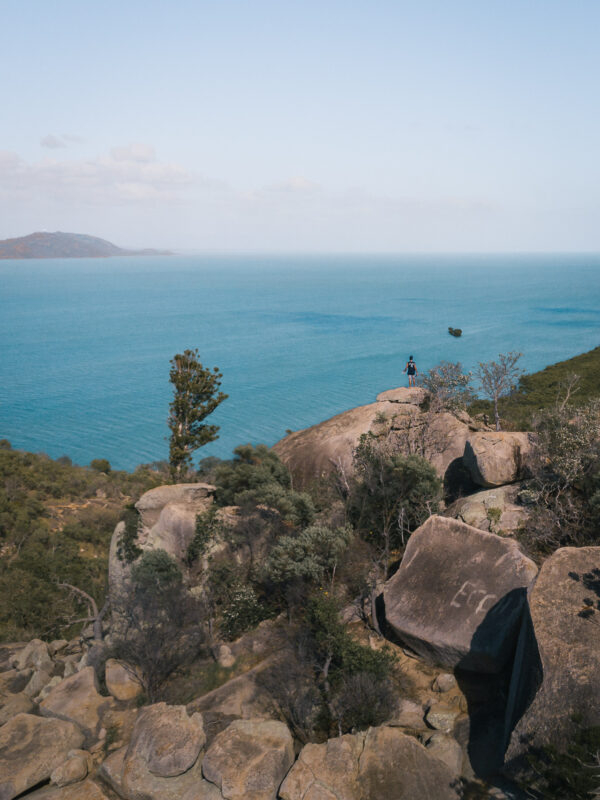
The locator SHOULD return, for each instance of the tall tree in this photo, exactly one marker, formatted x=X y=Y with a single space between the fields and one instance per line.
x=499 y=378
x=196 y=395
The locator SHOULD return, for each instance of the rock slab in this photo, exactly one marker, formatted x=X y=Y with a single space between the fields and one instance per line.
x=381 y=763
x=558 y=657
x=458 y=596
x=78 y=700
x=31 y=748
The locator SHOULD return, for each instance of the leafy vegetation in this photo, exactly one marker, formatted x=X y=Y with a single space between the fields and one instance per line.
x=56 y=521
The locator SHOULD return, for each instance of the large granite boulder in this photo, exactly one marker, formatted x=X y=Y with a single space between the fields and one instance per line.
x=399 y=414
x=458 y=596
x=492 y=510
x=77 y=699
x=555 y=687
x=249 y=759
x=495 y=458
x=34 y=655
x=381 y=763
x=162 y=761
x=31 y=748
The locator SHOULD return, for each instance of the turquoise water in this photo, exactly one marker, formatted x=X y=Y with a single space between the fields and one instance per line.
x=86 y=343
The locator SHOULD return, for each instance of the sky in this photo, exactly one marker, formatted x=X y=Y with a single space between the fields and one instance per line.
x=303 y=126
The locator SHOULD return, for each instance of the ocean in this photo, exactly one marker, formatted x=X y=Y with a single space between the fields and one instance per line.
x=86 y=343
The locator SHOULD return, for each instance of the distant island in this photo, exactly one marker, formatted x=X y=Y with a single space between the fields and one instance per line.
x=67 y=245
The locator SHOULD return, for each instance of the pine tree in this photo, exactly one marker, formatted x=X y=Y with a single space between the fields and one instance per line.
x=196 y=395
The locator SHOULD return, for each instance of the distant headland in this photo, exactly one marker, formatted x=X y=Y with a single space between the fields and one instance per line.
x=67 y=245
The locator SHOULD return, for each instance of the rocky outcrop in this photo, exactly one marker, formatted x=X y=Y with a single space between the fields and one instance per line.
x=555 y=686
x=458 y=596
x=167 y=521
x=495 y=458
x=399 y=414
x=249 y=759
x=77 y=699
x=381 y=763
x=88 y=790
x=492 y=510
x=31 y=748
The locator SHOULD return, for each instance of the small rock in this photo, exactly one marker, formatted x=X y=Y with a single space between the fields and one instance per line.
x=442 y=717
x=73 y=770
x=226 y=658
x=444 y=682
x=56 y=646
x=38 y=680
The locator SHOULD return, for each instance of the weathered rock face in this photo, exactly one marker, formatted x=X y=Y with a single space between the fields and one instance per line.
x=559 y=652
x=35 y=655
x=458 y=596
x=168 y=516
x=77 y=699
x=74 y=769
x=162 y=760
x=495 y=458
x=249 y=759
x=317 y=451
x=382 y=763
x=31 y=748
x=13 y=704
x=493 y=510
x=167 y=739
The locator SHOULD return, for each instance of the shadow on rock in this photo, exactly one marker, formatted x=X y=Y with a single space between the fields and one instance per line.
x=496 y=701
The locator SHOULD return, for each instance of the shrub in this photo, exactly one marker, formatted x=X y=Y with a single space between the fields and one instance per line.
x=363 y=700
x=100 y=465
x=252 y=467
x=242 y=612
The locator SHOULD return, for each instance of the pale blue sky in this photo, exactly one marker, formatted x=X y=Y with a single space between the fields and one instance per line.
x=303 y=126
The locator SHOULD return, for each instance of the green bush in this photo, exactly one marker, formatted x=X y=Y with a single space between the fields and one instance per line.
x=251 y=468
x=100 y=465
x=242 y=612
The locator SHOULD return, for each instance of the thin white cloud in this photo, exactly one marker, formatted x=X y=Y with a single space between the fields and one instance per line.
x=137 y=151
x=52 y=142
x=129 y=174
x=298 y=184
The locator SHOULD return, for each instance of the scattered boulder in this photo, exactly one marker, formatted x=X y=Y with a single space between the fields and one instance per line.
x=34 y=655
x=13 y=704
x=458 y=596
x=447 y=749
x=121 y=681
x=381 y=763
x=442 y=717
x=555 y=687
x=111 y=770
x=195 y=496
x=167 y=739
x=495 y=458
x=37 y=682
x=329 y=770
x=409 y=715
x=57 y=645
x=31 y=748
x=444 y=682
x=88 y=790
x=74 y=769
x=242 y=697
x=249 y=759
x=162 y=760
x=493 y=510
x=225 y=658
x=78 y=700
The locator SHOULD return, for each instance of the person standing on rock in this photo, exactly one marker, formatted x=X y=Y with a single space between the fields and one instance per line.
x=411 y=369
